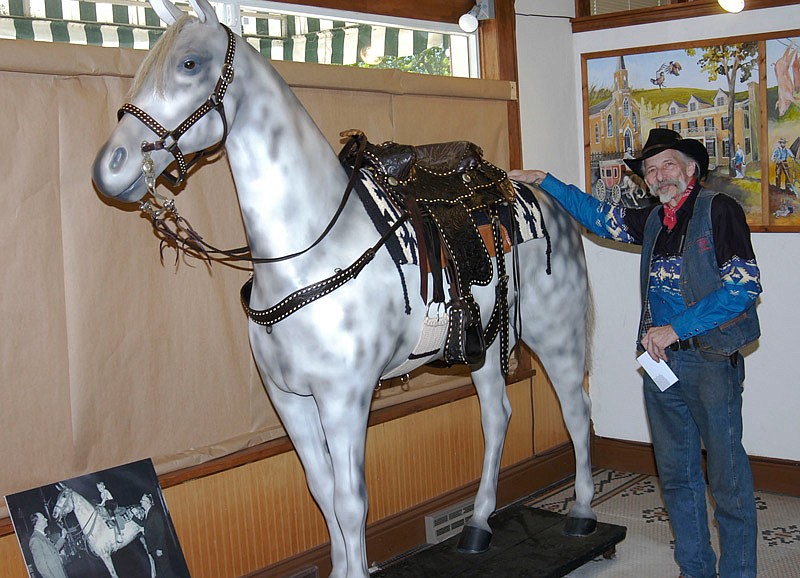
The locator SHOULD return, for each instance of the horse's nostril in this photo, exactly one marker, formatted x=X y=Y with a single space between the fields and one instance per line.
x=118 y=158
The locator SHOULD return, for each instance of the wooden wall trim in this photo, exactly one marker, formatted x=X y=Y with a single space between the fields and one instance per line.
x=769 y=474
x=436 y=10
x=406 y=530
x=676 y=11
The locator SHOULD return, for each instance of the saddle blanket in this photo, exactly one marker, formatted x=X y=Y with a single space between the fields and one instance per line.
x=402 y=246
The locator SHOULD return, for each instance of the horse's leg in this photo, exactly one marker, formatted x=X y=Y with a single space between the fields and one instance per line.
x=495 y=413
x=344 y=421
x=300 y=417
x=566 y=374
x=554 y=310
x=106 y=558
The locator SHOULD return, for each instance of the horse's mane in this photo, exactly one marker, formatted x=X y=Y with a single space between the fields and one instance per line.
x=156 y=58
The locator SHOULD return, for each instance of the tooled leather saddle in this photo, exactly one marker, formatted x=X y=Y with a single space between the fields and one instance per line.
x=444 y=188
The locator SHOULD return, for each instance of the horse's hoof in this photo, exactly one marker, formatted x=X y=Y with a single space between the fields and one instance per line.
x=579 y=526
x=474 y=540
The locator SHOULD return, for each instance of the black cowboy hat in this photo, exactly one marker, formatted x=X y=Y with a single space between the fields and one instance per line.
x=661 y=139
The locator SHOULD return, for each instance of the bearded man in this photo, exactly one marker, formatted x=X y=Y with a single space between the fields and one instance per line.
x=699 y=284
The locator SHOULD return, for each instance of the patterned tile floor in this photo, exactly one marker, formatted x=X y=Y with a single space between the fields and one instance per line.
x=634 y=501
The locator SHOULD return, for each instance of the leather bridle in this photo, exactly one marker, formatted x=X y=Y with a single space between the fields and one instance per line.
x=168 y=139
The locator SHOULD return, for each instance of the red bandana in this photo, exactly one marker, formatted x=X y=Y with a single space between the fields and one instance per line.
x=670 y=214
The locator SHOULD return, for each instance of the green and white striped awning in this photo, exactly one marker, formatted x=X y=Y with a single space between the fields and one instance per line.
x=133 y=24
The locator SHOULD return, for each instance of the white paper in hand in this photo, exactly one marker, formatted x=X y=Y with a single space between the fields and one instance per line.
x=659 y=371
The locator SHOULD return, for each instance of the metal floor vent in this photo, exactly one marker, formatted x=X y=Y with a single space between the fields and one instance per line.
x=446 y=523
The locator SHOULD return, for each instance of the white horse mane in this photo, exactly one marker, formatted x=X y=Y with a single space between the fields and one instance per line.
x=156 y=58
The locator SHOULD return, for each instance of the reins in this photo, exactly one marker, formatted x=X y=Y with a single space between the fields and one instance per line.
x=186 y=238
x=168 y=139
x=184 y=234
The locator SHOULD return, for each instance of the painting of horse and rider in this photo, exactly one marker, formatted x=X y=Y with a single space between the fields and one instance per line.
x=112 y=523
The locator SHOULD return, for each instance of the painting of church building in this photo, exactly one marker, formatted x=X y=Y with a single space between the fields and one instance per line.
x=708 y=93
x=615 y=121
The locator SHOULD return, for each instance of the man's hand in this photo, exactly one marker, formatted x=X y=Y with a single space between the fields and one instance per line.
x=532 y=177
x=658 y=339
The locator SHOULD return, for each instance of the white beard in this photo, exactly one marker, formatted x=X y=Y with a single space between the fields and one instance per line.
x=665 y=195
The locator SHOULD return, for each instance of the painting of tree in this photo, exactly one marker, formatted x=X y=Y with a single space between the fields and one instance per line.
x=732 y=62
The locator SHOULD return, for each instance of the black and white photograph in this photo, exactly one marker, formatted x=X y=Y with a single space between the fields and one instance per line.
x=113 y=522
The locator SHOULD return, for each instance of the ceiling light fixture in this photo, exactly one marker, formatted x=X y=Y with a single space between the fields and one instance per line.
x=732 y=6
x=483 y=10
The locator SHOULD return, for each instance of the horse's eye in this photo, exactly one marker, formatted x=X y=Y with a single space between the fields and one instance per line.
x=189 y=64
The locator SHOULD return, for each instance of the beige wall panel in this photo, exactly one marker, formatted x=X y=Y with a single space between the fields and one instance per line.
x=369 y=112
x=35 y=406
x=423 y=119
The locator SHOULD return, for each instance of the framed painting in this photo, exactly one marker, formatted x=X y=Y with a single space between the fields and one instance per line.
x=739 y=97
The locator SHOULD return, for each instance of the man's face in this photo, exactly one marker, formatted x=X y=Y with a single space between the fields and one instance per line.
x=668 y=175
x=40 y=523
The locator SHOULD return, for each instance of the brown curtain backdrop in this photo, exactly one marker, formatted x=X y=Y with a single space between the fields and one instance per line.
x=110 y=354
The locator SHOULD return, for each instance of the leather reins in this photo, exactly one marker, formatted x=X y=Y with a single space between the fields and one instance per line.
x=168 y=139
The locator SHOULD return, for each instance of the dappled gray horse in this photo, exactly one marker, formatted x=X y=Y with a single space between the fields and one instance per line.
x=320 y=361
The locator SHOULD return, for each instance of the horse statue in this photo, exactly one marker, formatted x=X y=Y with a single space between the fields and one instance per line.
x=320 y=359
x=100 y=538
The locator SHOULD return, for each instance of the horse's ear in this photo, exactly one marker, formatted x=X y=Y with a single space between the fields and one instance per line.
x=166 y=10
x=205 y=12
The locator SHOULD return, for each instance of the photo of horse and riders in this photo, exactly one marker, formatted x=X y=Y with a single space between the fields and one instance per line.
x=689 y=91
x=112 y=523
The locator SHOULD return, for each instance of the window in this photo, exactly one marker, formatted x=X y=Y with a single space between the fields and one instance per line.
x=626 y=108
x=708 y=122
x=609 y=6
x=278 y=31
x=711 y=147
x=725 y=123
x=596 y=133
x=609 y=126
x=676 y=126
x=635 y=119
x=726 y=148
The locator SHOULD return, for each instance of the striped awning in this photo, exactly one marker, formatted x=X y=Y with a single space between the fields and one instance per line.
x=276 y=36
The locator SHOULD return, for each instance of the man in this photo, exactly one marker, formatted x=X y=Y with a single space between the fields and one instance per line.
x=699 y=284
x=155 y=537
x=45 y=554
x=781 y=156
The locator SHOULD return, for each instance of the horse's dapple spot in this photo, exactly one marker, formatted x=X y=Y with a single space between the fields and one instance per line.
x=275 y=142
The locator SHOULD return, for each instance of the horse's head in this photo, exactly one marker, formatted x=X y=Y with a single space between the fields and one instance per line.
x=175 y=105
x=64 y=504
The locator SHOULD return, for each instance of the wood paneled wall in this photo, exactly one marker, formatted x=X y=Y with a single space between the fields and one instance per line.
x=240 y=520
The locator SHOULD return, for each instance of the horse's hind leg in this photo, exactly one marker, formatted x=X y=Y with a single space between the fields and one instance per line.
x=567 y=378
x=300 y=417
x=495 y=413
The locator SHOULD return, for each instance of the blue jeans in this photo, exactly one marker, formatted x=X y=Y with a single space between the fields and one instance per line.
x=705 y=404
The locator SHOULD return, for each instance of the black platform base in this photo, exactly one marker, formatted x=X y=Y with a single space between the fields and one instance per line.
x=527 y=543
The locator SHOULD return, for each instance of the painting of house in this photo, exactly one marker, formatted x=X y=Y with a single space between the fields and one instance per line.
x=710 y=94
